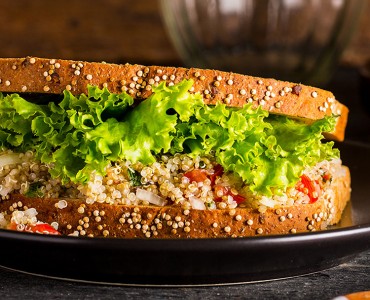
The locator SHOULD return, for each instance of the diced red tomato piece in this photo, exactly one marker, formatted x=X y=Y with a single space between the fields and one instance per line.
x=200 y=175
x=326 y=177
x=221 y=191
x=42 y=228
x=12 y=226
x=309 y=187
x=196 y=175
x=218 y=171
x=238 y=198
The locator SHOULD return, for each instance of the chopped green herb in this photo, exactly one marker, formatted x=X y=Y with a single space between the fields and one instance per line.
x=202 y=164
x=135 y=177
x=34 y=190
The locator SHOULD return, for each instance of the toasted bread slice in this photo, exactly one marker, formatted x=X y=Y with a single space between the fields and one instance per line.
x=104 y=220
x=40 y=75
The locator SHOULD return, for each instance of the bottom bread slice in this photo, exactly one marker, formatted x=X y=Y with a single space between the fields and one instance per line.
x=75 y=217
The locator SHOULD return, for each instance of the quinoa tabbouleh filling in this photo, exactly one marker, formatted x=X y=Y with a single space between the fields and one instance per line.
x=191 y=182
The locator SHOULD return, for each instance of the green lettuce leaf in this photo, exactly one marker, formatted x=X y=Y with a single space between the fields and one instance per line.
x=278 y=157
x=16 y=117
x=151 y=126
x=268 y=152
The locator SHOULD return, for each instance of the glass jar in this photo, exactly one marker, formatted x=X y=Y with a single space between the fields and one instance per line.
x=295 y=40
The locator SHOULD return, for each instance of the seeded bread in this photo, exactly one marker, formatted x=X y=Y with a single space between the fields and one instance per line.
x=40 y=75
x=105 y=220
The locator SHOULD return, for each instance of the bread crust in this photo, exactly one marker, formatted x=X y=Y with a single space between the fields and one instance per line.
x=41 y=75
x=105 y=220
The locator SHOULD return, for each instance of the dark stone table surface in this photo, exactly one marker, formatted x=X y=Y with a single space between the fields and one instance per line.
x=347 y=278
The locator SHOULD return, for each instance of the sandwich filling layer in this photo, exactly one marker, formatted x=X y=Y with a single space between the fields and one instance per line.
x=191 y=182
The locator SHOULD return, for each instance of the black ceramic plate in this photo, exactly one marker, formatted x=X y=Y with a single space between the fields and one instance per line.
x=203 y=261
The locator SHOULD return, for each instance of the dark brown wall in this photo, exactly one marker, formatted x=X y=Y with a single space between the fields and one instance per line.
x=110 y=30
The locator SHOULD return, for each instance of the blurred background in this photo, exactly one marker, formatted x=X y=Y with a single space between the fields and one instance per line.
x=113 y=30
x=166 y=32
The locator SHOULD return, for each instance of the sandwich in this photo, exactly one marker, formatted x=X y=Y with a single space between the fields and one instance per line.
x=131 y=151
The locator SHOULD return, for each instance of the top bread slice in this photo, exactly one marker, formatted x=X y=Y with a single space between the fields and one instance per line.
x=41 y=75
